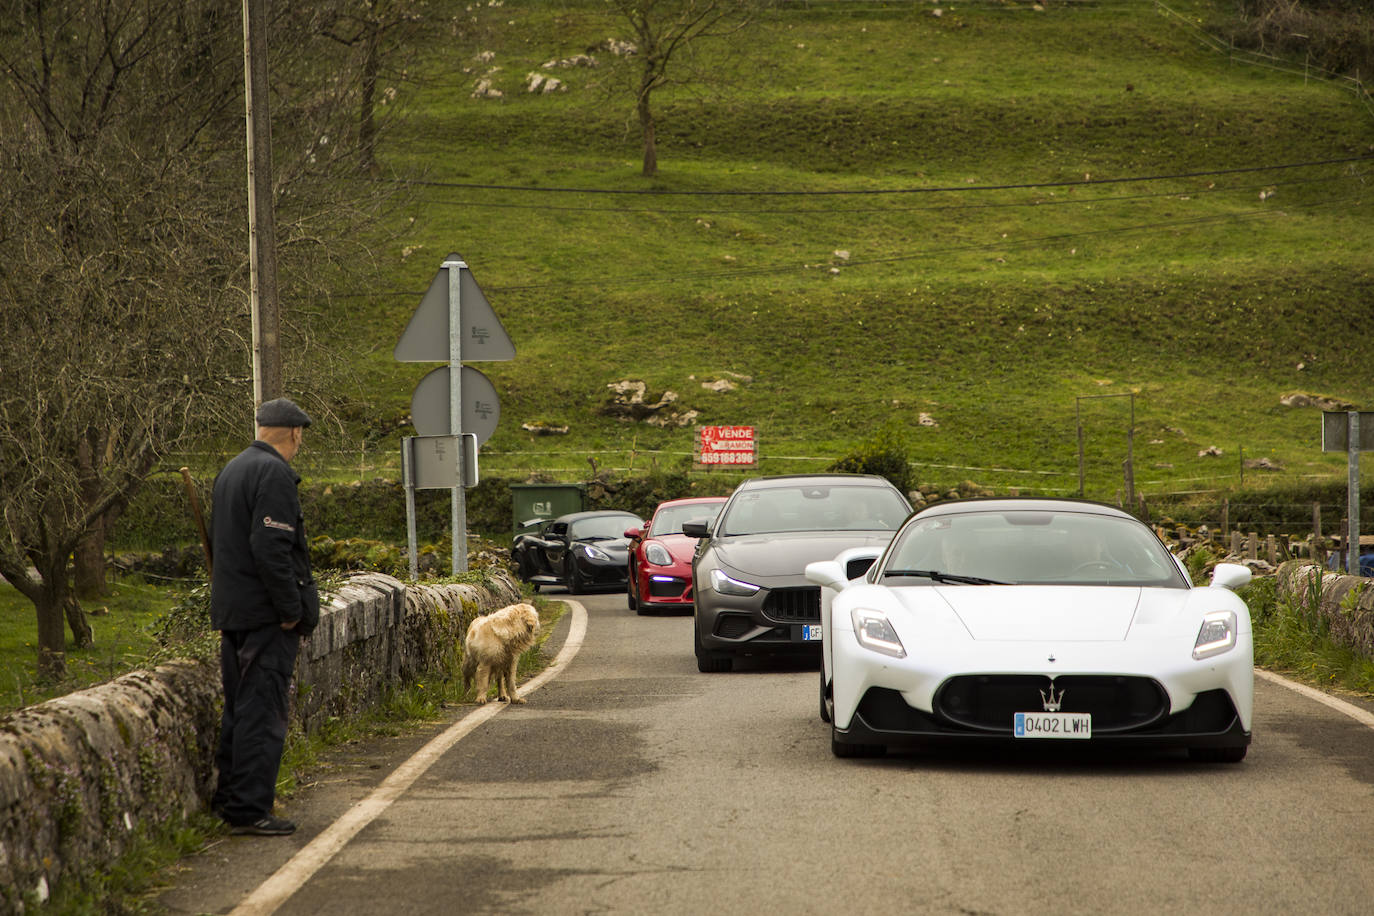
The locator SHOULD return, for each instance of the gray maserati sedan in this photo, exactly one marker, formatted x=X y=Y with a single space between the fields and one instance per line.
x=751 y=594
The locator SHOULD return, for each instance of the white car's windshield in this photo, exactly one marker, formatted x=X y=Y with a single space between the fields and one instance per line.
x=1027 y=547
x=669 y=519
x=814 y=508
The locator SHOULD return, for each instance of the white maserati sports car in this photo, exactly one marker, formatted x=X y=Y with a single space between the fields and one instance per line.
x=1032 y=620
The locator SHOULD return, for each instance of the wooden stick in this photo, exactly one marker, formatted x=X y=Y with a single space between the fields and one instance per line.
x=200 y=520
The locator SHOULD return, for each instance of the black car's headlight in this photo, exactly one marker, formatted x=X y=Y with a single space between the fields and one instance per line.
x=595 y=553
x=728 y=586
x=874 y=631
x=1216 y=635
x=658 y=555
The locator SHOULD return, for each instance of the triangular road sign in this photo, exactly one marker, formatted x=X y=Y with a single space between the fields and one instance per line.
x=426 y=337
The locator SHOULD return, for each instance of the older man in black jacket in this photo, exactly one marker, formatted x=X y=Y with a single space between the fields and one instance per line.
x=263 y=599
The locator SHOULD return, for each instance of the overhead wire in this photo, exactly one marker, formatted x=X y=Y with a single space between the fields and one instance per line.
x=1002 y=244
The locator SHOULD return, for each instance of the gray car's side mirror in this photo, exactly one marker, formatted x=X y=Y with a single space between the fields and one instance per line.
x=697 y=528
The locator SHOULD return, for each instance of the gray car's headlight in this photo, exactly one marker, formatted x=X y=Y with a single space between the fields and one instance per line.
x=594 y=553
x=874 y=631
x=1216 y=635
x=728 y=586
x=658 y=555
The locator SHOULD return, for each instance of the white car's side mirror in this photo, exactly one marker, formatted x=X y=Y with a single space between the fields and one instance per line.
x=826 y=574
x=1230 y=575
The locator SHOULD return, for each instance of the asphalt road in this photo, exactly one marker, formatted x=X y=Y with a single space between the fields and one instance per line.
x=631 y=783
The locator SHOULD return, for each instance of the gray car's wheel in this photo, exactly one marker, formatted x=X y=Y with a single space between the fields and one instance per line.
x=709 y=662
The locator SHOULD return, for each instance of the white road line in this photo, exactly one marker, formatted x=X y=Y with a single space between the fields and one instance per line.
x=1361 y=716
x=275 y=891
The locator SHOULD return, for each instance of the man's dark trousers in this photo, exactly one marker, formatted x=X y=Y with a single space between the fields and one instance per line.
x=256 y=667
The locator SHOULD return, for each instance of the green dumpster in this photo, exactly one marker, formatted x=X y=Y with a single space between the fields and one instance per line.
x=533 y=502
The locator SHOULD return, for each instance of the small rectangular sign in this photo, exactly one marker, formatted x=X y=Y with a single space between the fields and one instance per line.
x=1336 y=431
x=443 y=462
x=732 y=446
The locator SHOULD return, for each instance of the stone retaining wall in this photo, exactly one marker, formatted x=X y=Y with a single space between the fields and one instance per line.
x=80 y=774
x=1344 y=603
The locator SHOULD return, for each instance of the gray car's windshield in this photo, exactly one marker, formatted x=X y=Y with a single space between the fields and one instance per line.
x=813 y=508
x=1030 y=547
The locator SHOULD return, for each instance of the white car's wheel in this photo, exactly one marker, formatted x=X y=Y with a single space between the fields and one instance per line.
x=825 y=700
x=1217 y=754
x=840 y=749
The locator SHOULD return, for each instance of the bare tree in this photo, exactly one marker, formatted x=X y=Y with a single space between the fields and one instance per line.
x=123 y=311
x=376 y=30
x=666 y=33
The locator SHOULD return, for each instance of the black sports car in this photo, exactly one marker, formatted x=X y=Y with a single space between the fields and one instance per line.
x=581 y=551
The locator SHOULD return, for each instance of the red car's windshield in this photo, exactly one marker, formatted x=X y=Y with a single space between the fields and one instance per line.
x=670 y=519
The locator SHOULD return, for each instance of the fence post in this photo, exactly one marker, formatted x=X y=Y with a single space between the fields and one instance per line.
x=1316 y=520
x=1252 y=546
x=1225 y=516
x=1271 y=550
x=1235 y=543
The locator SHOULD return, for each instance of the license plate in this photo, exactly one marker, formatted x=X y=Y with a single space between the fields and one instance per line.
x=811 y=632
x=1052 y=725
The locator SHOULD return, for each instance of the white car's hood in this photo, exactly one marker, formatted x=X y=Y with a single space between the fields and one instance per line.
x=1060 y=614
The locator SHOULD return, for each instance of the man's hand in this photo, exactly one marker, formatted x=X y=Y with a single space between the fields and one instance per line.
x=290 y=625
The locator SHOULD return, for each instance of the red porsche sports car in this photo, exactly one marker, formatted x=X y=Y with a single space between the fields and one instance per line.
x=661 y=555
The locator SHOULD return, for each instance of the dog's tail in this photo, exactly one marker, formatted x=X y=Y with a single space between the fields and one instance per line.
x=469 y=668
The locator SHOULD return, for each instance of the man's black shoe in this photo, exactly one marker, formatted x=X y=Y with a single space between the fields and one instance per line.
x=265 y=826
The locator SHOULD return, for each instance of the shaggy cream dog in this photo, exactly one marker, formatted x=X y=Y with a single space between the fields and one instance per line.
x=493 y=647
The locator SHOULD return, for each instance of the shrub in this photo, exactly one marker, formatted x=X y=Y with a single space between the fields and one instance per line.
x=884 y=454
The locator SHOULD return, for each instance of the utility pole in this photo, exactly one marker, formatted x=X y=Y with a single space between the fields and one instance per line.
x=262 y=235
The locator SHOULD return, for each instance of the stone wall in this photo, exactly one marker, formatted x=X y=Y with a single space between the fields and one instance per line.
x=80 y=774
x=1344 y=603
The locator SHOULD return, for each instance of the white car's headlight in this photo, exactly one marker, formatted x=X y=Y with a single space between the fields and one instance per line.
x=658 y=555
x=728 y=586
x=595 y=553
x=874 y=631
x=1216 y=635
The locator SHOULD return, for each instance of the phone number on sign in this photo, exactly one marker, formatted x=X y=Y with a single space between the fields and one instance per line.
x=727 y=457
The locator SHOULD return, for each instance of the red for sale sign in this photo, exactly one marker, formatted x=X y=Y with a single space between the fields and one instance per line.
x=727 y=445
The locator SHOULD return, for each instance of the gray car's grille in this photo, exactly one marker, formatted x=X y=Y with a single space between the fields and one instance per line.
x=790 y=604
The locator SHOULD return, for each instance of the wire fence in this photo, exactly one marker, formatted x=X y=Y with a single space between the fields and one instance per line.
x=1308 y=71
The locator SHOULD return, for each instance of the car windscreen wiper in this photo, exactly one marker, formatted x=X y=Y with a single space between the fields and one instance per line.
x=937 y=576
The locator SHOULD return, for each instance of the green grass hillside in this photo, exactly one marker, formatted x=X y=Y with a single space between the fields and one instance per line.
x=868 y=212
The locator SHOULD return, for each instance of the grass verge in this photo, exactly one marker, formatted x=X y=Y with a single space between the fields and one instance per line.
x=124 y=639
x=1295 y=643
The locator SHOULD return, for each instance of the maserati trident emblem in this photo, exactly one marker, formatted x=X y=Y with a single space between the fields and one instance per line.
x=1053 y=700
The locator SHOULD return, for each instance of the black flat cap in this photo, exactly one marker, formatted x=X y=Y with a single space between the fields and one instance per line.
x=282 y=412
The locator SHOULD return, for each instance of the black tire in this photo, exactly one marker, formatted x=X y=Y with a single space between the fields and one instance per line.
x=576 y=584
x=840 y=749
x=1218 y=754
x=709 y=662
x=825 y=708
x=630 y=598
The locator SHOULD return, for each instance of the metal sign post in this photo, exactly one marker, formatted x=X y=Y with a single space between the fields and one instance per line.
x=455 y=269
x=1352 y=432
x=454 y=322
